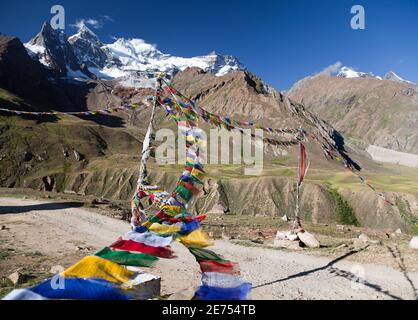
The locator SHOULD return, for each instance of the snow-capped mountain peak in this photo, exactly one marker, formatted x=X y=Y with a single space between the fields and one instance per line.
x=88 y=48
x=52 y=49
x=347 y=72
x=392 y=76
x=85 y=33
x=132 y=62
x=133 y=49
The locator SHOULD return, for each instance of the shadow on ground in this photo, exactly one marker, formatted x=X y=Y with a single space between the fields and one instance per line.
x=40 y=207
x=337 y=272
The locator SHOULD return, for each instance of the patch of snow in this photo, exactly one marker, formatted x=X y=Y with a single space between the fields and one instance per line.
x=392 y=76
x=36 y=52
x=346 y=72
x=76 y=74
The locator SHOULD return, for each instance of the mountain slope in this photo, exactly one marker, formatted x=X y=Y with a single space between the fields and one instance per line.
x=81 y=156
x=40 y=87
x=367 y=111
x=88 y=49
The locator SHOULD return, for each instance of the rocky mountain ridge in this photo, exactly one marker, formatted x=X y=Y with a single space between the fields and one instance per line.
x=131 y=62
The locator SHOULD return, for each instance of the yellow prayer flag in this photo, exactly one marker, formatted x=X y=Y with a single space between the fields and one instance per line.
x=197 y=173
x=176 y=209
x=96 y=267
x=196 y=239
x=164 y=229
x=147 y=224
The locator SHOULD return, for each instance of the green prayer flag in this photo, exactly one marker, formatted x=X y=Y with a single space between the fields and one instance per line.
x=184 y=193
x=204 y=254
x=127 y=258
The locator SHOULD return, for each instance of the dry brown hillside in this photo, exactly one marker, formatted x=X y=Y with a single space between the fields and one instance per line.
x=366 y=110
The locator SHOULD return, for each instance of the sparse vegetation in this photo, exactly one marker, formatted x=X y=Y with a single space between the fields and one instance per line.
x=345 y=214
x=411 y=221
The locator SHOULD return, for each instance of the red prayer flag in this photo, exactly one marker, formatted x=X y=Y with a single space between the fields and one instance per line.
x=191 y=188
x=303 y=163
x=130 y=245
x=222 y=267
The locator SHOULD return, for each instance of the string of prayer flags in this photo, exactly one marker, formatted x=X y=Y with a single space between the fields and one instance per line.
x=75 y=113
x=93 y=277
x=332 y=153
x=227 y=122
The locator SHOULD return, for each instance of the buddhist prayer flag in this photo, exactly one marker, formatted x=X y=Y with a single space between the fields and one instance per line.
x=196 y=239
x=96 y=267
x=204 y=254
x=189 y=227
x=78 y=288
x=164 y=228
x=217 y=266
x=23 y=294
x=129 y=245
x=127 y=258
x=149 y=238
x=205 y=292
x=303 y=165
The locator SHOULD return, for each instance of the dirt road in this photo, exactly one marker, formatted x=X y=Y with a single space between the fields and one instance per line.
x=61 y=233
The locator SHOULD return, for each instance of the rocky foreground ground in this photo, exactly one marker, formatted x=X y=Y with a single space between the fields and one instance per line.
x=37 y=235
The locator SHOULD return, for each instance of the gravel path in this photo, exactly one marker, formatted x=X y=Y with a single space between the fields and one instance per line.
x=55 y=229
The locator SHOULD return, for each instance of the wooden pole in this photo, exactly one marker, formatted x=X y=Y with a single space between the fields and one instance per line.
x=296 y=222
x=149 y=137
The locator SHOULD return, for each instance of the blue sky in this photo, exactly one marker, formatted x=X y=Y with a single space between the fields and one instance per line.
x=281 y=41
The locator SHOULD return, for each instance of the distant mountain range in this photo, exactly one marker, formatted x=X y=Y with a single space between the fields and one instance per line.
x=347 y=72
x=131 y=62
x=368 y=110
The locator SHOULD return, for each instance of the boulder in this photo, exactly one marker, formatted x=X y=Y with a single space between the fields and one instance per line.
x=413 y=244
x=292 y=236
x=281 y=235
x=308 y=239
x=289 y=235
x=78 y=156
x=363 y=237
x=18 y=278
